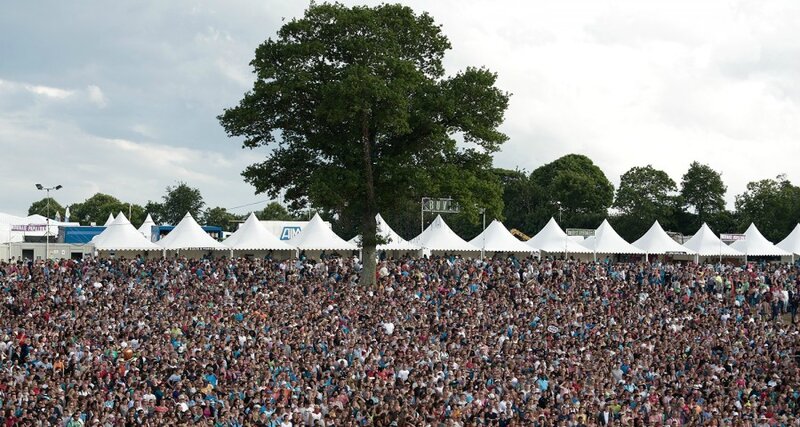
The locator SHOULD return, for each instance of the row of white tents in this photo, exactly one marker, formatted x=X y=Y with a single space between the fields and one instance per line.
x=120 y=235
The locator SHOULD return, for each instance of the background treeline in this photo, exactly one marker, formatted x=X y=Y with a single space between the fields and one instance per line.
x=571 y=189
x=645 y=194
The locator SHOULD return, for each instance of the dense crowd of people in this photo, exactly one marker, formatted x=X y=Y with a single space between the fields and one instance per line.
x=437 y=342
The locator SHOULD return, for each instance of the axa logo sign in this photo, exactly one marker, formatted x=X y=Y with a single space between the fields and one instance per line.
x=289 y=232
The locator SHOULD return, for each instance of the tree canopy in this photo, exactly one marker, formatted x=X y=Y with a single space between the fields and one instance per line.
x=645 y=194
x=360 y=118
x=177 y=200
x=275 y=211
x=581 y=188
x=519 y=199
x=772 y=204
x=703 y=190
x=220 y=216
x=95 y=209
x=40 y=207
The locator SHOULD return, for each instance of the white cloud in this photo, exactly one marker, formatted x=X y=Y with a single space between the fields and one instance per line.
x=10 y=86
x=640 y=82
x=627 y=83
x=96 y=96
x=133 y=171
x=50 y=92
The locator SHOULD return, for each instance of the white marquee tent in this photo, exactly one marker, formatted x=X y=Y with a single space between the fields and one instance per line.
x=553 y=239
x=394 y=242
x=706 y=244
x=497 y=238
x=14 y=228
x=147 y=227
x=189 y=235
x=316 y=236
x=120 y=235
x=656 y=241
x=439 y=237
x=791 y=243
x=755 y=244
x=253 y=236
x=109 y=220
x=607 y=241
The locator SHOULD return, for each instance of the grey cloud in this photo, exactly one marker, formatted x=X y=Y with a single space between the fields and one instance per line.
x=627 y=83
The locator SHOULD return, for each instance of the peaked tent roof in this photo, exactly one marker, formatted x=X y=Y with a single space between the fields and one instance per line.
x=316 y=236
x=706 y=243
x=147 y=227
x=109 y=220
x=120 y=235
x=755 y=244
x=607 y=241
x=439 y=237
x=497 y=238
x=791 y=243
x=553 y=239
x=657 y=241
x=189 y=235
x=252 y=235
x=394 y=242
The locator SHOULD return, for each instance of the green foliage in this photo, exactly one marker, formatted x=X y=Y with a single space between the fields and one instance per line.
x=220 y=217
x=177 y=200
x=155 y=210
x=772 y=204
x=95 y=209
x=519 y=199
x=644 y=195
x=40 y=207
x=275 y=211
x=579 y=185
x=360 y=119
x=723 y=221
x=703 y=190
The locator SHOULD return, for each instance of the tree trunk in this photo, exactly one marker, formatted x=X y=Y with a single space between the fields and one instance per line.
x=368 y=224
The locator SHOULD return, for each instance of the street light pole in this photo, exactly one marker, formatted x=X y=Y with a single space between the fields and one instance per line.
x=559 y=213
x=422 y=215
x=47 y=219
x=483 y=245
x=560 y=224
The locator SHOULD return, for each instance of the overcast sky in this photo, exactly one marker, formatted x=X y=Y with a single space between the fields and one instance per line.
x=122 y=97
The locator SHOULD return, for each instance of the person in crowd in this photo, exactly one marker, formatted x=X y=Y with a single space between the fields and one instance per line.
x=437 y=342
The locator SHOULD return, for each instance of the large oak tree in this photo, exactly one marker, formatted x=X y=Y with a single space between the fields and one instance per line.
x=359 y=117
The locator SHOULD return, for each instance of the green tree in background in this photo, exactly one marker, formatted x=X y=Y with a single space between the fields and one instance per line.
x=177 y=200
x=155 y=210
x=703 y=190
x=95 y=209
x=645 y=194
x=723 y=221
x=220 y=217
x=772 y=204
x=366 y=117
x=40 y=207
x=275 y=211
x=519 y=199
x=579 y=185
